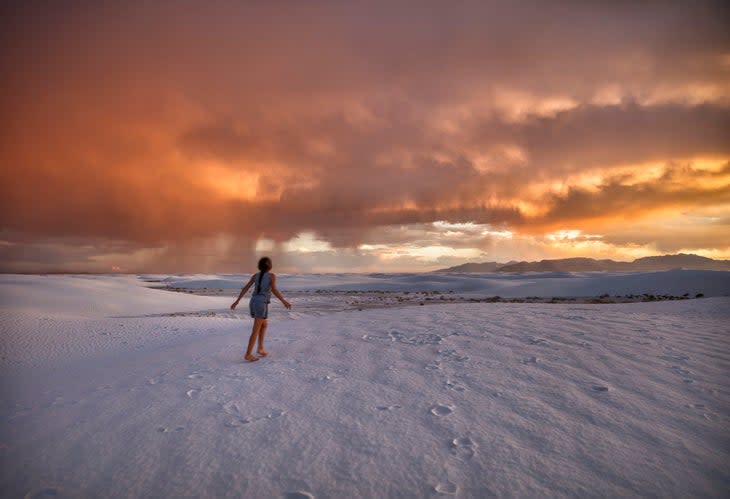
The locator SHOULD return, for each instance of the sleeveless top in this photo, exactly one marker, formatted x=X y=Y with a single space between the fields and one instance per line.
x=265 y=289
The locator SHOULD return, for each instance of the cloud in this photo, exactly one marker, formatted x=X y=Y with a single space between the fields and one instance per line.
x=672 y=240
x=680 y=186
x=594 y=136
x=173 y=128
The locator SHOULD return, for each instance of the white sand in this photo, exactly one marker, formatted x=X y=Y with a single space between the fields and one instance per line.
x=110 y=390
x=546 y=284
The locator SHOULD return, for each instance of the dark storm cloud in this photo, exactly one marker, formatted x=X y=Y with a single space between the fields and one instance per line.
x=160 y=123
x=627 y=133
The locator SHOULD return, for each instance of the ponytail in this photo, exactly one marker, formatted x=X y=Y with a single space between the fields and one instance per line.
x=264 y=266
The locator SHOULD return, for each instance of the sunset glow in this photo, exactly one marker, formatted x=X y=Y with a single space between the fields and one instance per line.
x=375 y=137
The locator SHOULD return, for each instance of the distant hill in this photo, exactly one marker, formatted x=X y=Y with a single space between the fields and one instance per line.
x=666 y=262
x=566 y=265
x=477 y=267
x=681 y=260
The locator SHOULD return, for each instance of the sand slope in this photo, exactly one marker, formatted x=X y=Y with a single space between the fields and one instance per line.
x=463 y=400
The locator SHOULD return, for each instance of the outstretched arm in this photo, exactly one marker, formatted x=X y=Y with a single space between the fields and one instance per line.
x=243 y=291
x=276 y=292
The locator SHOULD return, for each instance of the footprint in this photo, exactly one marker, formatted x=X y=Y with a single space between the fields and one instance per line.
x=276 y=413
x=158 y=378
x=235 y=423
x=232 y=408
x=298 y=489
x=388 y=407
x=452 y=355
x=703 y=409
x=61 y=402
x=446 y=488
x=453 y=385
x=685 y=373
x=163 y=429
x=681 y=370
x=675 y=358
x=530 y=360
x=195 y=376
x=599 y=388
x=18 y=414
x=43 y=492
x=537 y=341
x=463 y=447
x=238 y=419
x=193 y=393
x=441 y=410
x=298 y=495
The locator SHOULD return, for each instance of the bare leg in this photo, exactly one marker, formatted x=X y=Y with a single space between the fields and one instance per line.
x=255 y=330
x=262 y=334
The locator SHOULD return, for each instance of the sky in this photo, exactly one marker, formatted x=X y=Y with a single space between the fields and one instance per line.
x=196 y=136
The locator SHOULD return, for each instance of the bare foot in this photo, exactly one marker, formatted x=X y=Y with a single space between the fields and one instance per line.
x=251 y=358
x=262 y=353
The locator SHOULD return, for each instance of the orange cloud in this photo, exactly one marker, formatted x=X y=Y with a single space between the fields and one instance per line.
x=180 y=137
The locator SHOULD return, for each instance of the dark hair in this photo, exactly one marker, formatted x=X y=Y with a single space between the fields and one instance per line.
x=264 y=266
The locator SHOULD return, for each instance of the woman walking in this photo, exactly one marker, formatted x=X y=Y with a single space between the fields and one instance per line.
x=265 y=284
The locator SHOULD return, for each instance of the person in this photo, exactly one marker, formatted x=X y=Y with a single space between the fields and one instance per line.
x=265 y=284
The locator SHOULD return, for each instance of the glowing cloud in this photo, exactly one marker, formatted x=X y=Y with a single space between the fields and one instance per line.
x=359 y=137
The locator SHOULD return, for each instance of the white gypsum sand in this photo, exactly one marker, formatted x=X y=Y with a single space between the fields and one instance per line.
x=111 y=389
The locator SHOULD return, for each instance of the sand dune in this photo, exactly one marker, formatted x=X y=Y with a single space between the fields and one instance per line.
x=708 y=282
x=110 y=389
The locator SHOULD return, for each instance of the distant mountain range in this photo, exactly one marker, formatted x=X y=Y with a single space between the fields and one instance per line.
x=666 y=262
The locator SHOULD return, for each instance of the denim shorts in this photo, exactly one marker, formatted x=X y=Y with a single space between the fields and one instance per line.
x=259 y=307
